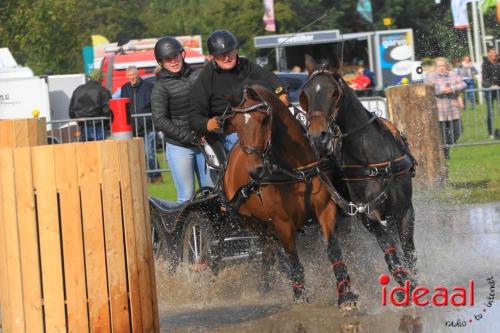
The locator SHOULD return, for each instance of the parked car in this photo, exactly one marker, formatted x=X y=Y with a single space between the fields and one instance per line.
x=294 y=83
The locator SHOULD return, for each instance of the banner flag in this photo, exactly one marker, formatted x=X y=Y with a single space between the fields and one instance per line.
x=459 y=12
x=364 y=8
x=268 y=19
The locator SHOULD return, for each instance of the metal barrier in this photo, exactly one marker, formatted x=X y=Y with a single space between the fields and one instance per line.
x=480 y=122
x=77 y=130
x=94 y=129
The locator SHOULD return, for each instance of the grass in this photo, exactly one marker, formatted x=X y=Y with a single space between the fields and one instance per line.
x=473 y=175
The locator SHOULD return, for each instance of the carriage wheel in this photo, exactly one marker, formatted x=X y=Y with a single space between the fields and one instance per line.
x=163 y=242
x=198 y=243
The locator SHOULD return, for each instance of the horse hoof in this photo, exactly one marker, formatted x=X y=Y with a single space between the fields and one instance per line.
x=348 y=302
x=348 y=306
x=300 y=296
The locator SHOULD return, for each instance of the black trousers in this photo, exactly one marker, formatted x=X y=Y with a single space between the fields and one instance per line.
x=450 y=132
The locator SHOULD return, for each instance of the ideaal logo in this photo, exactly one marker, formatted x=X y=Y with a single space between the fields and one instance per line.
x=422 y=296
x=440 y=296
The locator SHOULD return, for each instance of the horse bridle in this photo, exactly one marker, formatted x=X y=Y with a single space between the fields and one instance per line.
x=261 y=150
x=333 y=128
x=337 y=103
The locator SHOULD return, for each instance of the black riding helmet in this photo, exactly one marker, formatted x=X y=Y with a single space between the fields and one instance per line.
x=221 y=41
x=167 y=47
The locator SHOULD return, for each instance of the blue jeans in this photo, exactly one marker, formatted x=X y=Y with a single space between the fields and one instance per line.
x=87 y=133
x=183 y=164
x=150 y=150
x=470 y=94
x=230 y=140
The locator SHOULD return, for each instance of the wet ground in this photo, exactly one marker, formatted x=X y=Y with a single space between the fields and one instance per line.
x=455 y=244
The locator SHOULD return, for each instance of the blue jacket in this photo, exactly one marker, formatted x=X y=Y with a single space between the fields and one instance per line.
x=139 y=102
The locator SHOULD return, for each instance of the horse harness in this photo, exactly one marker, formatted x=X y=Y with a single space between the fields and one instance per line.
x=381 y=171
x=271 y=173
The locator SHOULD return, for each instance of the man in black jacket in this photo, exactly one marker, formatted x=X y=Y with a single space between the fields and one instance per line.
x=91 y=100
x=219 y=79
x=138 y=92
x=491 y=79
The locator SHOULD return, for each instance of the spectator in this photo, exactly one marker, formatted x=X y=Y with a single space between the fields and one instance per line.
x=467 y=71
x=138 y=92
x=91 y=100
x=491 y=79
x=219 y=78
x=171 y=110
x=447 y=85
x=360 y=81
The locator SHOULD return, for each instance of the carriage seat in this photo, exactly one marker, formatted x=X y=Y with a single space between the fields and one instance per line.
x=214 y=152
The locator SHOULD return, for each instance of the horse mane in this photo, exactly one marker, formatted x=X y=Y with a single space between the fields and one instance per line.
x=288 y=138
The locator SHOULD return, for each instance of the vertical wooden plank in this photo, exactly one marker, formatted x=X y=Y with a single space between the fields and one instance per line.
x=5 y=172
x=137 y=177
x=130 y=243
x=11 y=239
x=72 y=237
x=115 y=248
x=50 y=238
x=149 y=237
x=6 y=133
x=21 y=133
x=90 y=191
x=28 y=240
x=41 y=137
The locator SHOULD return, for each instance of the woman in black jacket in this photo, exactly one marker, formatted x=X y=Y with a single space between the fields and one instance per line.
x=171 y=108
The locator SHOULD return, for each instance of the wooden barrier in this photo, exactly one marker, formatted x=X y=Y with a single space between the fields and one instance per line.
x=413 y=110
x=23 y=132
x=75 y=240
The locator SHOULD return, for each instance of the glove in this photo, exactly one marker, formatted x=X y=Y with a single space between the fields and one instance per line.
x=214 y=124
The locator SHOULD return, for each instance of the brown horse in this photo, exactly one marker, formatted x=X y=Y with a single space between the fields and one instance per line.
x=373 y=164
x=273 y=176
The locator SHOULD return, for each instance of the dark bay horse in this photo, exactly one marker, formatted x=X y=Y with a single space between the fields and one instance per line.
x=373 y=163
x=273 y=176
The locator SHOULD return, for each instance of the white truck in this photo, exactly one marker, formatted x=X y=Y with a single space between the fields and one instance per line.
x=21 y=92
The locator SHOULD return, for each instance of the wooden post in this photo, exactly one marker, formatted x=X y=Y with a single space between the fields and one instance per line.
x=413 y=110
x=23 y=132
x=75 y=240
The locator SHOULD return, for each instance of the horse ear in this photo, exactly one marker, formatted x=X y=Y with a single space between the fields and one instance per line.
x=303 y=101
x=269 y=97
x=334 y=63
x=310 y=63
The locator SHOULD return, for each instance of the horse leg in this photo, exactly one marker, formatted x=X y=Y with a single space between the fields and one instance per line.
x=387 y=244
x=286 y=235
x=269 y=252
x=346 y=298
x=405 y=230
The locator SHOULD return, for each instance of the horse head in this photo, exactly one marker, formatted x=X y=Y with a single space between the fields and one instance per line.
x=321 y=99
x=265 y=126
x=250 y=118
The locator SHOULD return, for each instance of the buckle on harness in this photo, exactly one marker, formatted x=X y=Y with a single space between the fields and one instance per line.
x=353 y=209
x=373 y=172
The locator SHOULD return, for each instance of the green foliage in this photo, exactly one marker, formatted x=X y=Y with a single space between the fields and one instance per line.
x=49 y=34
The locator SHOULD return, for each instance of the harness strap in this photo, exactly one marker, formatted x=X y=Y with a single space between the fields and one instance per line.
x=376 y=170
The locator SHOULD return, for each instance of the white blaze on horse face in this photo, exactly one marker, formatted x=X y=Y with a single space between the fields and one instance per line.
x=247 y=117
x=318 y=87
